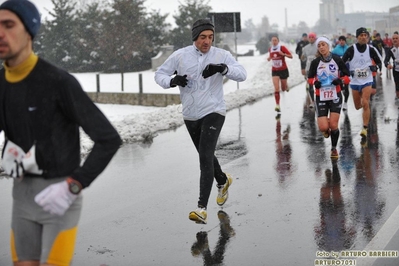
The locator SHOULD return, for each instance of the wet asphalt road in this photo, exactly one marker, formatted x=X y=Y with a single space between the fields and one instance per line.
x=288 y=201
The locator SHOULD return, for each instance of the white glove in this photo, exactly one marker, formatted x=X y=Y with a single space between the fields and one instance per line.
x=56 y=198
x=29 y=162
x=11 y=160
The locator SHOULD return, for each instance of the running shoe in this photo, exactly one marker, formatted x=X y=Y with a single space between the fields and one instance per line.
x=334 y=154
x=278 y=116
x=345 y=106
x=326 y=134
x=363 y=133
x=277 y=108
x=199 y=215
x=223 y=192
x=311 y=105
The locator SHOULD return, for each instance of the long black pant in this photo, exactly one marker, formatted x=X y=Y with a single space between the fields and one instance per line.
x=204 y=134
x=396 y=79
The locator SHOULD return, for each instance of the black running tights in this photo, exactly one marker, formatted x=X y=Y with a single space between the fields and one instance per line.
x=204 y=134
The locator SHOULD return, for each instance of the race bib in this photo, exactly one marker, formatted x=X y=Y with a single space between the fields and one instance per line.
x=328 y=93
x=277 y=63
x=12 y=157
x=362 y=73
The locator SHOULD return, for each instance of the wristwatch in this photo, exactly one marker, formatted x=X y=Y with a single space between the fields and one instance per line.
x=74 y=186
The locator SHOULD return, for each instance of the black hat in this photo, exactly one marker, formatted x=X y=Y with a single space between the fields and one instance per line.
x=27 y=13
x=201 y=25
x=304 y=35
x=360 y=31
x=342 y=37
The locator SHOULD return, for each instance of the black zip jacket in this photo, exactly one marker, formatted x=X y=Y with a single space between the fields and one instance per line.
x=47 y=108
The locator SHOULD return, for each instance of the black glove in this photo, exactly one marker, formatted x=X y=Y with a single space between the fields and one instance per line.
x=179 y=81
x=337 y=82
x=212 y=69
x=317 y=84
x=373 y=68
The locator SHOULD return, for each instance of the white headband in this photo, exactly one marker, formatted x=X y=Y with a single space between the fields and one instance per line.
x=323 y=39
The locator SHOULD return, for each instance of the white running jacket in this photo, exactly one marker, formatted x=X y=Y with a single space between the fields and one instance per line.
x=201 y=96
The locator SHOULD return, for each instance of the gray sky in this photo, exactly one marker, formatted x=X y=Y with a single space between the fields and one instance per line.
x=297 y=10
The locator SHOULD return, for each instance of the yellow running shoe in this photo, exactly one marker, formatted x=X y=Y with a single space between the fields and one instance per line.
x=223 y=192
x=363 y=133
x=199 y=216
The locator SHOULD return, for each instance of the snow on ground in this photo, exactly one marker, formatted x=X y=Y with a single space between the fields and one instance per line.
x=139 y=123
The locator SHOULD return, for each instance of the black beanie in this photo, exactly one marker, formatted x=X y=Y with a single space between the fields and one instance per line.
x=27 y=13
x=360 y=31
x=201 y=25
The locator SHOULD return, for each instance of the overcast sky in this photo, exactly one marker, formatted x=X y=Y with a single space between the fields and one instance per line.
x=297 y=10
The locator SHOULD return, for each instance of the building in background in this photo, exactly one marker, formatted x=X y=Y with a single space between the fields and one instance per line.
x=334 y=21
x=333 y=12
x=348 y=23
x=330 y=10
x=393 y=21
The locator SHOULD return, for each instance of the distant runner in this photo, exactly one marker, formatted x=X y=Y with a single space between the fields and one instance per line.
x=280 y=74
x=393 y=53
x=308 y=54
x=298 y=50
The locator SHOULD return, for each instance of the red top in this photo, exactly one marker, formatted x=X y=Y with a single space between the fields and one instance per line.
x=387 y=41
x=278 y=61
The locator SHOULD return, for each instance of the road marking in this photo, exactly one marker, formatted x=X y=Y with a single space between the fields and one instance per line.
x=382 y=238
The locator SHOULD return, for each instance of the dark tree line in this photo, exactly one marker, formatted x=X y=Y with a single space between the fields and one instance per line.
x=120 y=36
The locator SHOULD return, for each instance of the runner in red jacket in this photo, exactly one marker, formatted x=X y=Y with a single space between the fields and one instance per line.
x=280 y=74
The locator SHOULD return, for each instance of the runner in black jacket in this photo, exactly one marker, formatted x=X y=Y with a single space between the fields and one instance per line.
x=42 y=108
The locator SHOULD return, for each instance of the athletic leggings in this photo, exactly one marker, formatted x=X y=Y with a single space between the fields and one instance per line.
x=204 y=134
x=396 y=79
